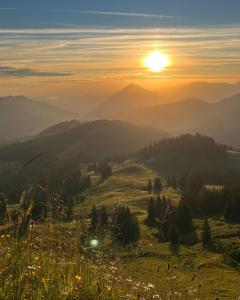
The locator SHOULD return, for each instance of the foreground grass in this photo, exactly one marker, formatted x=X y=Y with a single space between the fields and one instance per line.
x=49 y=263
x=52 y=263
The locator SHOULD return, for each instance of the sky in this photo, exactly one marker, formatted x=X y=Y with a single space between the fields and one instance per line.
x=66 y=45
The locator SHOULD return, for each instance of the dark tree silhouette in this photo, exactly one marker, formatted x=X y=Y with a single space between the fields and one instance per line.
x=157 y=186
x=150 y=220
x=206 y=233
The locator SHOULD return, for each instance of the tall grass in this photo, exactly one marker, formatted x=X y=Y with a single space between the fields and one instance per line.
x=51 y=263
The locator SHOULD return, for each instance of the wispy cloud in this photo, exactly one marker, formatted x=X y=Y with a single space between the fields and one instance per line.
x=120 y=14
x=90 y=53
x=6 y=71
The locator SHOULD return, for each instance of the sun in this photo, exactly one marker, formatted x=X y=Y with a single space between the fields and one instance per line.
x=156 y=61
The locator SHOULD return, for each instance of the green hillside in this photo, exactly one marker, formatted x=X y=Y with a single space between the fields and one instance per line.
x=51 y=263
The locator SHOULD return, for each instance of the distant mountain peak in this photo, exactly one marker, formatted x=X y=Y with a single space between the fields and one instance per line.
x=133 y=88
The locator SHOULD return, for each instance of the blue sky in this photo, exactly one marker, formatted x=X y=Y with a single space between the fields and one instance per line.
x=40 y=14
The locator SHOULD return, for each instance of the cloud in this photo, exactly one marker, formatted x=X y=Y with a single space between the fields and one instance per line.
x=120 y=14
x=6 y=71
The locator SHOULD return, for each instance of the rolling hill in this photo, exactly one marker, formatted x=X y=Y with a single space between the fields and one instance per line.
x=21 y=116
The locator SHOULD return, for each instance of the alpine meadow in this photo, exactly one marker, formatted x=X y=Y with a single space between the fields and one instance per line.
x=119 y=150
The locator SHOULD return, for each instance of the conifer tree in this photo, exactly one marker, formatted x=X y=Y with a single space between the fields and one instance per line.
x=94 y=220
x=103 y=218
x=184 y=217
x=157 y=185
x=173 y=235
x=159 y=208
x=150 y=220
x=125 y=227
x=105 y=170
x=206 y=233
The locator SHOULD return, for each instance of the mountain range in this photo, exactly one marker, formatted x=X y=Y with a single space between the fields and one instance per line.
x=87 y=141
x=21 y=116
x=219 y=120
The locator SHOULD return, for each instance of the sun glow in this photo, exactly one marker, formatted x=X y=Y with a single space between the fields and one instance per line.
x=156 y=61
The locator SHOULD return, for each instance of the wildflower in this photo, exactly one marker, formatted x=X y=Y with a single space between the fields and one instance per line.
x=77 y=277
x=150 y=285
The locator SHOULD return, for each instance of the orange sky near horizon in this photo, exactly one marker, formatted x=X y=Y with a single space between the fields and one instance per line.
x=46 y=62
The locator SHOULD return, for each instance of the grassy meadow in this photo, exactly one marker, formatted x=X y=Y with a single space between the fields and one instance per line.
x=51 y=261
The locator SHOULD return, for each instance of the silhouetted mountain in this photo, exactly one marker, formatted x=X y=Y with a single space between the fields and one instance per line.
x=129 y=98
x=210 y=91
x=83 y=142
x=20 y=116
x=59 y=128
x=219 y=120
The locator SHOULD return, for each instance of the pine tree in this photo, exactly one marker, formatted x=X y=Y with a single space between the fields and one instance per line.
x=184 y=217
x=150 y=220
x=159 y=208
x=125 y=227
x=103 y=218
x=149 y=186
x=105 y=170
x=94 y=220
x=206 y=233
x=157 y=185
x=173 y=235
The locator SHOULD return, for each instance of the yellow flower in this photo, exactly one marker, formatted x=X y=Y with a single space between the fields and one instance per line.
x=77 y=277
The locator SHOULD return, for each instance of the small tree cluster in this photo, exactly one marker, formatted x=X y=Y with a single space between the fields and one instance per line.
x=99 y=221
x=125 y=227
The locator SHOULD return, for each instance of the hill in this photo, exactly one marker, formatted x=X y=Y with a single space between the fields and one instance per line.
x=219 y=120
x=129 y=98
x=59 y=128
x=187 y=154
x=87 y=141
x=21 y=116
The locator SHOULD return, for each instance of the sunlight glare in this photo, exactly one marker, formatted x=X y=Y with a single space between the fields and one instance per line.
x=156 y=61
